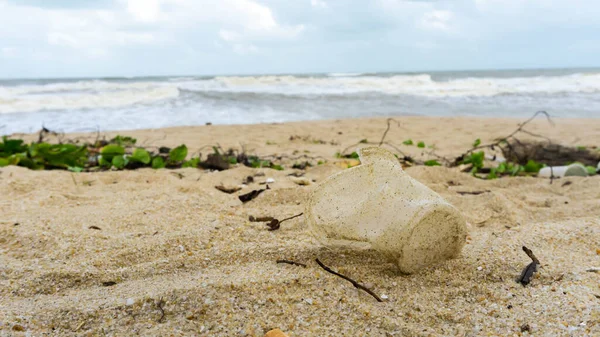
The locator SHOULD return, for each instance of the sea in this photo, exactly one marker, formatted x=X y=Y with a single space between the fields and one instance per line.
x=91 y=104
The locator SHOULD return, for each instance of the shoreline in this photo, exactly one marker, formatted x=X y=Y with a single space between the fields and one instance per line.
x=168 y=241
x=450 y=136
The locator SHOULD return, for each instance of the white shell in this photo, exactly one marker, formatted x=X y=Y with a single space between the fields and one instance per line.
x=378 y=205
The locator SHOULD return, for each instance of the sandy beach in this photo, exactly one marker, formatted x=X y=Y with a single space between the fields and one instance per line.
x=164 y=253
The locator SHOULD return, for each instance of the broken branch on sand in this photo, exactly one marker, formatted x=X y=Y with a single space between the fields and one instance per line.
x=251 y=195
x=159 y=304
x=531 y=268
x=294 y=263
x=273 y=223
x=354 y=283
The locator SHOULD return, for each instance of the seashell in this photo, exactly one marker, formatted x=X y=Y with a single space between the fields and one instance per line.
x=378 y=205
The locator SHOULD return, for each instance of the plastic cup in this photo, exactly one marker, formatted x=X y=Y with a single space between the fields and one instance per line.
x=377 y=205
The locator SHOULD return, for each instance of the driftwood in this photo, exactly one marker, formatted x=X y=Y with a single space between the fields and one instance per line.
x=547 y=153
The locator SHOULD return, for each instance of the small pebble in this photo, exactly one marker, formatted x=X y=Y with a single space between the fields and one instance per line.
x=18 y=327
x=130 y=301
x=480 y=268
x=275 y=333
x=270 y=180
x=309 y=301
x=301 y=181
x=384 y=297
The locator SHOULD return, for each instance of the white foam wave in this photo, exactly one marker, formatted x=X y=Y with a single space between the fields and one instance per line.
x=81 y=95
x=344 y=74
x=95 y=94
x=421 y=85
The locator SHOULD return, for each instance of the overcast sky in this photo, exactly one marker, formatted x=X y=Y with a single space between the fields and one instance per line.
x=73 y=38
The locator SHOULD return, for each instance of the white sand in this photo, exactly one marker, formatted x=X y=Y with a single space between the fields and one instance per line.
x=191 y=245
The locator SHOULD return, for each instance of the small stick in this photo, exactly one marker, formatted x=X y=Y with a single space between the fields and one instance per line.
x=354 y=283
x=294 y=263
x=290 y=218
x=510 y=136
x=531 y=268
x=260 y=218
x=473 y=192
x=160 y=304
x=387 y=129
x=530 y=254
x=276 y=224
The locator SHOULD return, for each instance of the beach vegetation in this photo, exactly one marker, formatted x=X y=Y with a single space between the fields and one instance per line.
x=504 y=157
x=158 y=163
x=178 y=154
x=432 y=162
x=140 y=155
x=118 y=153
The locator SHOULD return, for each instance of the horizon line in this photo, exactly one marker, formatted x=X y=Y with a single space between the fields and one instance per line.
x=302 y=73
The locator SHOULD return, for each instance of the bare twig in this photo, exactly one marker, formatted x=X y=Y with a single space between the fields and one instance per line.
x=228 y=190
x=294 y=263
x=472 y=192
x=531 y=268
x=504 y=140
x=387 y=129
x=354 y=283
x=530 y=254
x=292 y=217
x=160 y=305
x=260 y=218
x=251 y=195
x=276 y=224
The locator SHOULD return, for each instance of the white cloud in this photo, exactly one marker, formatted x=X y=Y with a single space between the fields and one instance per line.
x=243 y=49
x=436 y=20
x=212 y=34
x=253 y=23
x=8 y=52
x=62 y=39
x=318 y=3
x=229 y=36
x=255 y=16
x=243 y=23
x=144 y=10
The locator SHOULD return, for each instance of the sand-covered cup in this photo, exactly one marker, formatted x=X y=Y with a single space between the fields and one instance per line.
x=378 y=205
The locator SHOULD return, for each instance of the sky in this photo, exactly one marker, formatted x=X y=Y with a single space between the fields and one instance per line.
x=101 y=38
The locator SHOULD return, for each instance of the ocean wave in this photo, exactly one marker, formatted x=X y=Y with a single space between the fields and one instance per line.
x=344 y=74
x=81 y=95
x=418 y=84
x=104 y=93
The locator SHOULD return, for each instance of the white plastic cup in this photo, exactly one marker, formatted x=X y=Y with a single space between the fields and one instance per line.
x=378 y=205
x=563 y=171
